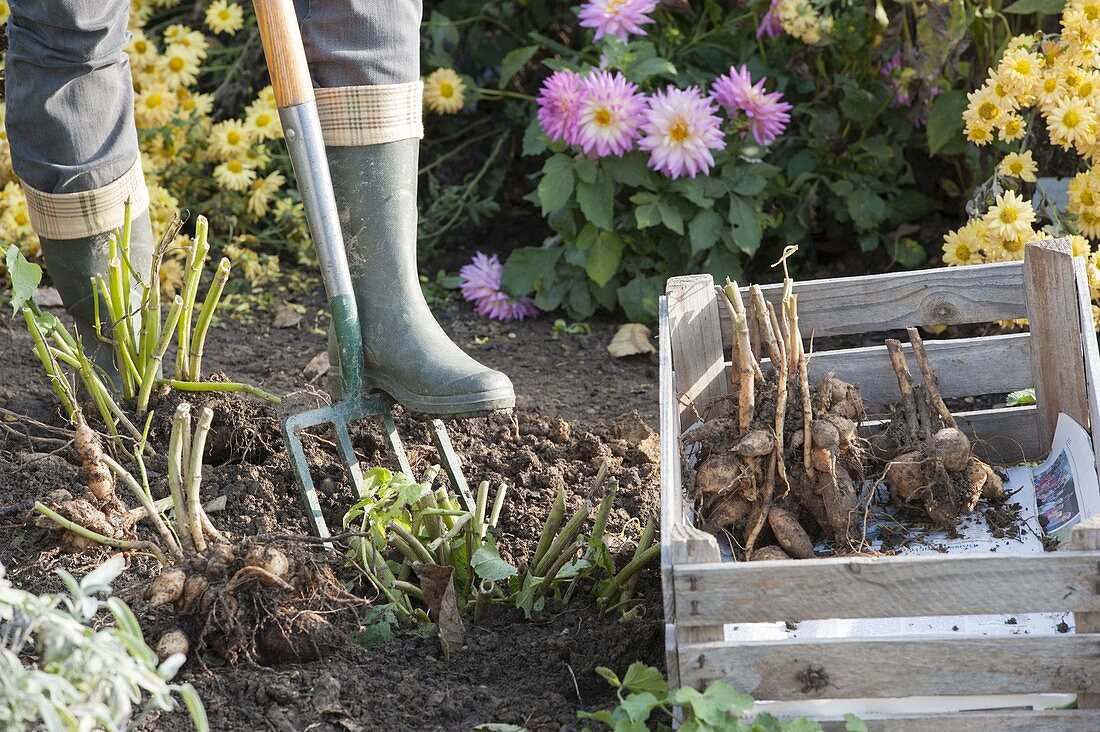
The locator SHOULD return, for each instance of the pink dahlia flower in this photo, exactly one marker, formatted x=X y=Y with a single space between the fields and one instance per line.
x=610 y=111
x=619 y=18
x=767 y=114
x=770 y=25
x=680 y=130
x=559 y=105
x=481 y=286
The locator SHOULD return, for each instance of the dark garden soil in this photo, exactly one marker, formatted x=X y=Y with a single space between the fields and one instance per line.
x=576 y=408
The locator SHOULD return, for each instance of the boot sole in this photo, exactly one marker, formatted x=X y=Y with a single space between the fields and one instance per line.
x=462 y=405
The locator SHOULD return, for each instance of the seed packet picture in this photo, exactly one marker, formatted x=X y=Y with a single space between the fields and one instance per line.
x=1056 y=495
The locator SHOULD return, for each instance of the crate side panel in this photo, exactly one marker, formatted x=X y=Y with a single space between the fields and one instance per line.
x=963 y=366
x=948 y=296
x=697 y=355
x=1001 y=436
x=895 y=667
x=885 y=587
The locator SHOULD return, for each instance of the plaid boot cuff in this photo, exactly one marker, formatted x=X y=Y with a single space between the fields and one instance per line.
x=352 y=116
x=64 y=216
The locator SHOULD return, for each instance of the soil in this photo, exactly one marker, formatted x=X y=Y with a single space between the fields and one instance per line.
x=576 y=407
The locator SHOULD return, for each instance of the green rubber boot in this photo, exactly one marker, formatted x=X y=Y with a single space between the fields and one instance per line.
x=407 y=353
x=72 y=263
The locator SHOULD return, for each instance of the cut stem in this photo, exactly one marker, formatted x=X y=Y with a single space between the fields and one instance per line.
x=192 y=478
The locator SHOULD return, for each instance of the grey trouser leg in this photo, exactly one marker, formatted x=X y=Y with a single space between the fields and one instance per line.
x=361 y=42
x=70 y=100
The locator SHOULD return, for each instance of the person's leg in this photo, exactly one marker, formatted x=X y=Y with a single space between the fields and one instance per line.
x=365 y=57
x=73 y=142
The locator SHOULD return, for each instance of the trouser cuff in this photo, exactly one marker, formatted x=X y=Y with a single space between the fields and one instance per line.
x=352 y=116
x=62 y=216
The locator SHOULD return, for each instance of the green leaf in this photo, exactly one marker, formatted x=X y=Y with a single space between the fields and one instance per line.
x=629 y=170
x=908 y=253
x=586 y=170
x=945 y=121
x=609 y=676
x=642 y=71
x=1020 y=398
x=640 y=677
x=499 y=727
x=639 y=705
x=744 y=227
x=694 y=190
x=802 y=725
x=638 y=298
x=513 y=61
x=859 y=104
x=670 y=217
x=747 y=180
x=587 y=237
x=25 y=278
x=867 y=208
x=526 y=267
x=534 y=139
x=705 y=229
x=194 y=706
x=604 y=257
x=647 y=215
x=556 y=186
x=487 y=564
x=597 y=201
x=852 y=723
x=1045 y=7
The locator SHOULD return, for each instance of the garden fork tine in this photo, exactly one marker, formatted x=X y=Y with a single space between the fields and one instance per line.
x=286 y=60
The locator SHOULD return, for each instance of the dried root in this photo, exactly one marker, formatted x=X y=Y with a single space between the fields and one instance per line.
x=935 y=471
x=763 y=482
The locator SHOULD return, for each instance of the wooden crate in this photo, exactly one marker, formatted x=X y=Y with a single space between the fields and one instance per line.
x=701 y=593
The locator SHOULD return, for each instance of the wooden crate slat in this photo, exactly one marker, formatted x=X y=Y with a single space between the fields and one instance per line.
x=904 y=666
x=1000 y=436
x=886 y=587
x=964 y=366
x=1068 y=720
x=697 y=353
x=1057 y=351
x=681 y=543
x=950 y=296
x=1084 y=538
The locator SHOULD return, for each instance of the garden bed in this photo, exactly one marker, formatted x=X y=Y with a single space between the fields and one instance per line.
x=405 y=684
x=703 y=595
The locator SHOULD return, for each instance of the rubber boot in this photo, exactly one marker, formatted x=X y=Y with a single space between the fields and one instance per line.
x=72 y=263
x=407 y=353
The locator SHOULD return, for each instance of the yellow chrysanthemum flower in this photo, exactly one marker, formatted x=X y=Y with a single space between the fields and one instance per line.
x=1021 y=166
x=142 y=52
x=229 y=139
x=194 y=102
x=234 y=175
x=1021 y=71
x=224 y=17
x=140 y=12
x=1088 y=223
x=1010 y=217
x=1013 y=128
x=961 y=247
x=985 y=108
x=178 y=66
x=262 y=191
x=979 y=133
x=444 y=91
x=262 y=122
x=1071 y=121
x=153 y=106
x=1080 y=244
x=183 y=37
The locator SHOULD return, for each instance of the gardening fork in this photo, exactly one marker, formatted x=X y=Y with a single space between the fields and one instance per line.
x=286 y=60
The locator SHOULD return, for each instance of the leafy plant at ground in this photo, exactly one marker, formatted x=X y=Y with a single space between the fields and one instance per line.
x=406 y=529
x=646 y=703
x=139 y=337
x=59 y=672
